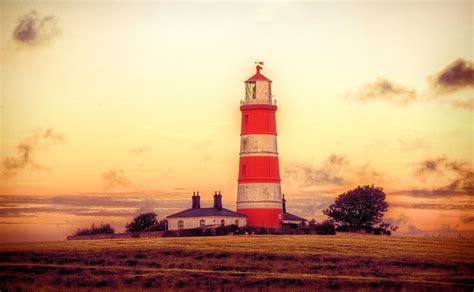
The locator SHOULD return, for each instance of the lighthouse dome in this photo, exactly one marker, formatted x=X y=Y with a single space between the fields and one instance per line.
x=258 y=76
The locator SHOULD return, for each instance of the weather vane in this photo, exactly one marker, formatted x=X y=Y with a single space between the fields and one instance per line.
x=259 y=62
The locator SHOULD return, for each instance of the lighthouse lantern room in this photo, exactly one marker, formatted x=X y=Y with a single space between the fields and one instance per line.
x=258 y=89
x=259 y=190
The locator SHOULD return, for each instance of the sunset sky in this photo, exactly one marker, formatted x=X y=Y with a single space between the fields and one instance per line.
x=111 y=108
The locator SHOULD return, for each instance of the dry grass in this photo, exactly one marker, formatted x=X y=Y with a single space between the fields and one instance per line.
x=251 y=262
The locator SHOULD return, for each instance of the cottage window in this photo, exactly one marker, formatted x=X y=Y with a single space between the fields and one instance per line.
x=222 y=222
x=180 y=224
x=202 y=222
x=236 y=222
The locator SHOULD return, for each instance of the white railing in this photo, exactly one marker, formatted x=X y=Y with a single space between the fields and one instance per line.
x=258 y=101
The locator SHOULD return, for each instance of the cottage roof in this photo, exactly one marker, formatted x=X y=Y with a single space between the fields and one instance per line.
x=288 y=216
x=203 y=212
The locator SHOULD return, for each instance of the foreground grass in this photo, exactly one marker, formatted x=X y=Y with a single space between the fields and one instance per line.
x=250 y=262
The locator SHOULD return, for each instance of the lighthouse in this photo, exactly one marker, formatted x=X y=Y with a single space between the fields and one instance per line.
x=259 y=190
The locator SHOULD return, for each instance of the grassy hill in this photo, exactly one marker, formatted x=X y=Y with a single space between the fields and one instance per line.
x=253 y=262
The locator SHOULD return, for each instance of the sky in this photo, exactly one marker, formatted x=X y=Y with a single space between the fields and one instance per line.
x=109 y=109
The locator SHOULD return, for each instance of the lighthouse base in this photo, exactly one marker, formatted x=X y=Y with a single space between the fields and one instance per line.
x=263 y=217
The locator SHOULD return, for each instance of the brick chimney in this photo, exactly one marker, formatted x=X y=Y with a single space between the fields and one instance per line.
x=198 y=201
x=194 y=200
x=217 y=200
x=283 y=201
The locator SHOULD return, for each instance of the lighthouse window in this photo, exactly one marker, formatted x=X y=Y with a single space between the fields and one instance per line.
x=202 y=222
x=180 y=224
x=250 y=90
x=244 y=169
x=246 y=118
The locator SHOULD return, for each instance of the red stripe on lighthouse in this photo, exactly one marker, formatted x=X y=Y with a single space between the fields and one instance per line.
x=259 y=169
x=263 y=217
x=258 y=119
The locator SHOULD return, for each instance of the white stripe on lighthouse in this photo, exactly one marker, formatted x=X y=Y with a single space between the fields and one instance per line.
x=258 y=144
x=259 y=205
x=259 y=195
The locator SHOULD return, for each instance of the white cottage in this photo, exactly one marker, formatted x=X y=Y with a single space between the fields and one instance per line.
x=197 y=217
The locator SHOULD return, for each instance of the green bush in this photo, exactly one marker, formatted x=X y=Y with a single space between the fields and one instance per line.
x=101 y=229
x=325 y=228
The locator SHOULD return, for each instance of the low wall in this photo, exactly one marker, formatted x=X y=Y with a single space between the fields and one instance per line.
x=116 y=236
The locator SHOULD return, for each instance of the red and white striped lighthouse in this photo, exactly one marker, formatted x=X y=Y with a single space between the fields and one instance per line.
x=259 y=190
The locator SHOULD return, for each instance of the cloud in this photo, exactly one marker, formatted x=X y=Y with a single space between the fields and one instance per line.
x=308 y=204
x=34 y=29
x=414 y=144
x=401 y=220
x=448 y=178
x=413 y=230
x=386 y=90
x=115 y=178
x=455 y=77
x=335 y=170
x=460 y=173
x=458 y=75
x=26 y=150
x=463 y=104
x=148 y=204
x=466 y=219
x=433 y=206
x=140 y=150
x=330 y=173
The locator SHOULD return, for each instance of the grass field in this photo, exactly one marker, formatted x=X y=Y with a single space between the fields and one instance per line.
x=256 y=262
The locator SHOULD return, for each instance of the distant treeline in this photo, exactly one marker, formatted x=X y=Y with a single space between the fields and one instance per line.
x=101 y=229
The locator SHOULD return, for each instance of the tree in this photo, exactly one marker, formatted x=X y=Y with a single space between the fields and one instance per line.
x=360 y=208
x=142 y=222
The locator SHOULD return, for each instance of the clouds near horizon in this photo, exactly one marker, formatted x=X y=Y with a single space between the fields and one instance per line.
x=460 y=175
x=335 y=170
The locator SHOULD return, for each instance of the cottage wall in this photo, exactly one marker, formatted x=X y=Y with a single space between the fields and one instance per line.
x=193 y=222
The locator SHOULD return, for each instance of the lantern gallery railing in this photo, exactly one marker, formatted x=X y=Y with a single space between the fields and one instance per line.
x=258 y=101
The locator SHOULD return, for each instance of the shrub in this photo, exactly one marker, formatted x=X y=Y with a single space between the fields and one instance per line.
x=170 y=233
x=101 y=229
x=221 y=231
x=325 y=228
x=233 y=228
x=343 y=228
x=306 y=230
